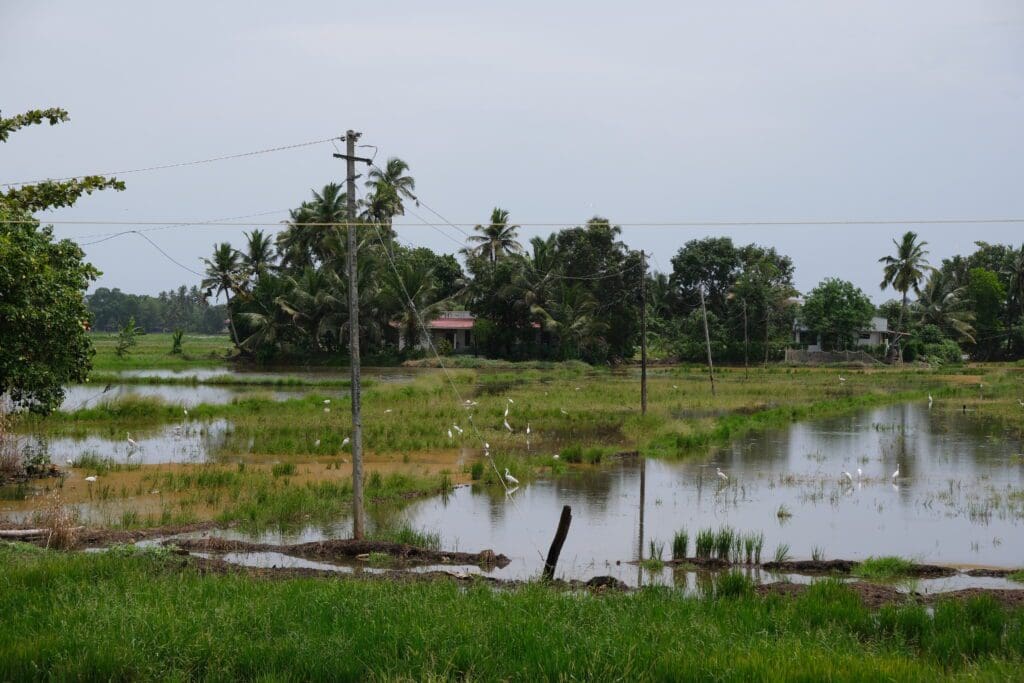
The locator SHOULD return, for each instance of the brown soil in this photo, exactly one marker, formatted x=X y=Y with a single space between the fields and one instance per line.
x=346 y=550
x=816 y=567
x=994 y=573
x=872 y=595
x=1007 y=597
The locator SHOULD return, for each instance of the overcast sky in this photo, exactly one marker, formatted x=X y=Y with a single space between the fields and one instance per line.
x=640 y=112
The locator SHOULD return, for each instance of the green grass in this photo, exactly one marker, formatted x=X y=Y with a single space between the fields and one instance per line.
x=1017 y=576
x=154 y=351
x=142 y=617
x=883 y=568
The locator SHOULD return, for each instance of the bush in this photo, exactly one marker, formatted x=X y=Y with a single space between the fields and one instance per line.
x=946 y=351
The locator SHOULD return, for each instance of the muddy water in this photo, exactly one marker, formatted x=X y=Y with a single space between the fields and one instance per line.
x=88 y=396
x=959 y=499
x=187 y=441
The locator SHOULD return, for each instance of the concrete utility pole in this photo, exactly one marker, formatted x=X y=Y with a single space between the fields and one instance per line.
x=358 y=514
x=643 y=333
x=707 y=340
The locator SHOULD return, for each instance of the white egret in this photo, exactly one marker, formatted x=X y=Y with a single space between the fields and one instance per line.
x=721 y=475
x=344 y=442
x=327 y=410
x=317 y=443
x=841 y=379
x=930 y=400
x=564 y=411
x=1020 y=402
x=186 y=411
x=450 y=436
x=457 y=428
x=527 y=428
x=847 y=477
x=507 y=425
x=131 y=442
x=859 y=473
x=70 y=462
x=675 y=386
x=556 y=456
x=387 y=411
x=510 y=400
x=896 y=473
x=91 y=478
x=510 y=479
x=506 y=410
x=327 y=401
x=487 y=446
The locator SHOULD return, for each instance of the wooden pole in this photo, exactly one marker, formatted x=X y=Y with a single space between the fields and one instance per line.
x=643 y=333
x=358 y=513
x=556 y=544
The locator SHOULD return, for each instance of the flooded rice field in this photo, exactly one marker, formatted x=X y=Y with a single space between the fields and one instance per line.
x=185 y=442
x=958 y=499
x=88 y=396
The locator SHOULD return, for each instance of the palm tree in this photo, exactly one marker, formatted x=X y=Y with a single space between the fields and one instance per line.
x=317 y=305
x=223 y=274
x=946 y=306
x=904 y=272
x=410 y=289
x=302 y=244
x=259 y=252
x=533 y=284
x=389 y=186
x=573 y=317
x=497 y=239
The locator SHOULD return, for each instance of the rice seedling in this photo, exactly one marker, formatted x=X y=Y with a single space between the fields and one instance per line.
x=723 y=542
x=656 y=549
x=783 y=512
x=782 y=553
x=680 y=545
x=749 y=541
x=817 y=554
x=1017 y=576
x=283 y=469
x=883 y=568
x=732 y=585
x=476 y=470
x=758 y=546
x=705 y=543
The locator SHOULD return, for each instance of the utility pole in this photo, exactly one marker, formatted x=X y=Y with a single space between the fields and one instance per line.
x=358 y=514
x=643 y=333
x=707 y=340
x=746 y=343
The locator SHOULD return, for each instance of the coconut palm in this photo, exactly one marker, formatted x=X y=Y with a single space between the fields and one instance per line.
x=259 y=252
x=303 y=242
x=223 y=275
x=533 y=286
x=496 y=239
x=904 y=272
x=389 y=186
x=317 y=305
x=411 y=290
x=572 y=316
x=946 y=306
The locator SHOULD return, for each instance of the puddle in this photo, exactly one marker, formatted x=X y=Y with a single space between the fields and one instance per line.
x=189 y=441
x=387 y=374
x=89 y=396
x=959 y=500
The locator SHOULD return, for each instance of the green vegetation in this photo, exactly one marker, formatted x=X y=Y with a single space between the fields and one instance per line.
x=172 y=623
x=680 y=545
x=883 y=568
x=1017 y=576
x=153 y=351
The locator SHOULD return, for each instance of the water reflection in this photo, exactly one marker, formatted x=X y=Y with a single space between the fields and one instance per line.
x=959 y=499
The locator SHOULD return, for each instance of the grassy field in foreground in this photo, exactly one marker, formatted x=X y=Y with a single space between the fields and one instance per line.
x=153 y=350
x=132 y=616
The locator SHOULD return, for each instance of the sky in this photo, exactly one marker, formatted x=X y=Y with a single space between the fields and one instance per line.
x=647 y=112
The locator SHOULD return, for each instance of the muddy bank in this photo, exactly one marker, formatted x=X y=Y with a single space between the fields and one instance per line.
x=100 y=538
x=872 y=595
x=824 y=567
x=345 y=550
x=992 y=573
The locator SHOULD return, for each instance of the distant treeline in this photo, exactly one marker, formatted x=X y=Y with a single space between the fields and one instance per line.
x=183 y=309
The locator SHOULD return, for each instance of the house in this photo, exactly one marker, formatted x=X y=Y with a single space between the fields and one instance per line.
x=876 y=334
x=453 y=327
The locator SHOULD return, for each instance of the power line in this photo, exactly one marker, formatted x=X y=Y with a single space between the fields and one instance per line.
x=112 y=235
x=175 y=165
x=630 y=224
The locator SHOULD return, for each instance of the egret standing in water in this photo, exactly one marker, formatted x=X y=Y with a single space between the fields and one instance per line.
x=930 y=400
x=132 y=444
x=510 y=479
x=847 y=477
x=896 y=474
x=721 y=475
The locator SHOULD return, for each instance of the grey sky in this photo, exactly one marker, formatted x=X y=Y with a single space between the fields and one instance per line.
x=641 y=112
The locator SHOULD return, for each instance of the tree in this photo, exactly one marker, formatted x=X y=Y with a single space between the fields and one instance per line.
x=497 y=239
x=904 y=271
x=43 y=313
x=837 y=310
x=389 y=186
x=987 y=295
x=223 y=275
x=126 y=338
x=259 y=252
x=44 y=319
x=946 y=307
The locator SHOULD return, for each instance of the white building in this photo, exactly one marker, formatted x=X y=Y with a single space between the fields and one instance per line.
x=875 y=335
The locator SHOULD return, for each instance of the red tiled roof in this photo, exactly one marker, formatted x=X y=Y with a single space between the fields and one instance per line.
x=451 y=324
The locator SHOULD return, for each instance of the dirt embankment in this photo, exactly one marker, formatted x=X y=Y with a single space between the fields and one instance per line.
x=345 y=550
